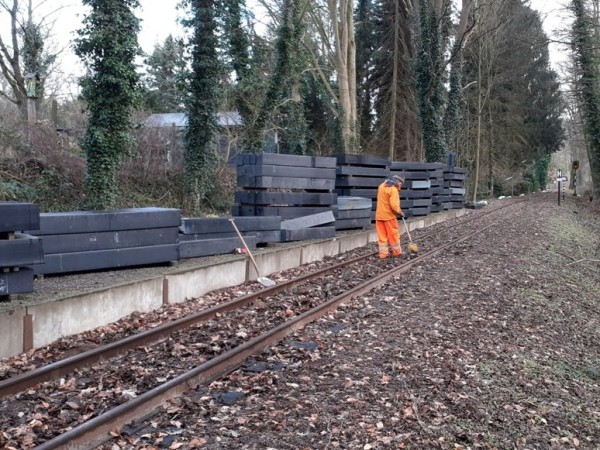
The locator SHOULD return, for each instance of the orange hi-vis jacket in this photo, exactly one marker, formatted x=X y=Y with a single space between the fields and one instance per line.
x=388 y=202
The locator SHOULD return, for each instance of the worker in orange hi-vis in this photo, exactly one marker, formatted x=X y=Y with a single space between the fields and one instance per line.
x=386 y=216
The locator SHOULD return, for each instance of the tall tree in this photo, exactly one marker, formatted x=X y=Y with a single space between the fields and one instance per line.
x=285 y=79
x=333 y=20
x=108 y=46
x=397 y=129
x=588 y=83
x=202 y=102
x=165 y=82
x=434 y=32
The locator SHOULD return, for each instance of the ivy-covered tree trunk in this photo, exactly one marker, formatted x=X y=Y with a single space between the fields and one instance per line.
x=589 y=86
x=286 y=46
x=429 y=78
x=108 y=45
x=239 y=44
x=202 y=105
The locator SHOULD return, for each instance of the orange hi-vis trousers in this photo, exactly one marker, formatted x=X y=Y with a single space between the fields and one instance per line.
x=388 y=236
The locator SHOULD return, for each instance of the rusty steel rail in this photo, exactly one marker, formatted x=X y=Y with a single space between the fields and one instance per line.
x=105 y=352
x=97 y=430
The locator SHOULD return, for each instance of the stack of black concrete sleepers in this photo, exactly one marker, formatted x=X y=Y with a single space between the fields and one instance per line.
x=353 y=212
x=18 y=250
x=454 y=184
x=436 y=177
x=314 y=226
x=360 y=176
x=82 y=241
x=285 y=186
x=416 y=194
x=205 y=236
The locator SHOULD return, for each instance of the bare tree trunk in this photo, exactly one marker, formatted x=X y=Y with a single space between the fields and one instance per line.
x=478 y=145
x=342 y=24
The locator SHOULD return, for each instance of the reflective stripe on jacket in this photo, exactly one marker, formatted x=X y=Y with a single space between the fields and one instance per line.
x=388 y=202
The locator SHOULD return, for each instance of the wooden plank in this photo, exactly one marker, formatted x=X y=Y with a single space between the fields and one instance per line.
x=286 y=182
x=286 y=198
x=19 y=281
x=305 y=234
x=111 y=220
x=207 y=225
x=19 y=216
x=285 y=171
x=208 y=247
x=108 y=259
x=345 y=202
x=23 y=250
x=312 y=220
x=87 y=242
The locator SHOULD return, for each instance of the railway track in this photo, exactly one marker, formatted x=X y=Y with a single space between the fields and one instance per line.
x=225 y=335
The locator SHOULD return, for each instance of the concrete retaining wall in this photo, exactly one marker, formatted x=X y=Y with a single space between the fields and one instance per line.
x=11 y=324
x=195 y=283
x=51 y=321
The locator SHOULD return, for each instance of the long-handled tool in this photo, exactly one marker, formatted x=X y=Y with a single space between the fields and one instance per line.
x=262 y=280
x=413 y=248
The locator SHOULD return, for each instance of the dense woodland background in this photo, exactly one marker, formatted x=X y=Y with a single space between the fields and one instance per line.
x=412 y=80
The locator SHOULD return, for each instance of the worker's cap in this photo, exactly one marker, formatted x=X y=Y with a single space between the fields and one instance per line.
x=397 y=179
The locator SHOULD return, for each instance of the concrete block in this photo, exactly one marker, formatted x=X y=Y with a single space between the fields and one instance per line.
x=107 y=259
x=285 y=171
x=208 y=247
x=11 y=324
x=317 y=252
x=23 y=250
x=109 y=220
x=322 y=184
x=362 y=160
x=17 y=216
x=312 y=220
x=88 y=242
x=196 y=282
x=305 y=234
x=361 y=171
x=345 y=203
x=16 y=281
x=285 y=198
x=79 y=313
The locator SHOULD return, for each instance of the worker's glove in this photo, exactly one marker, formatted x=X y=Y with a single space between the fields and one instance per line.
x=401 y=214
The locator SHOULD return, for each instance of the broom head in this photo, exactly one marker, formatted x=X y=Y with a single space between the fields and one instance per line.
x=413 y=248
